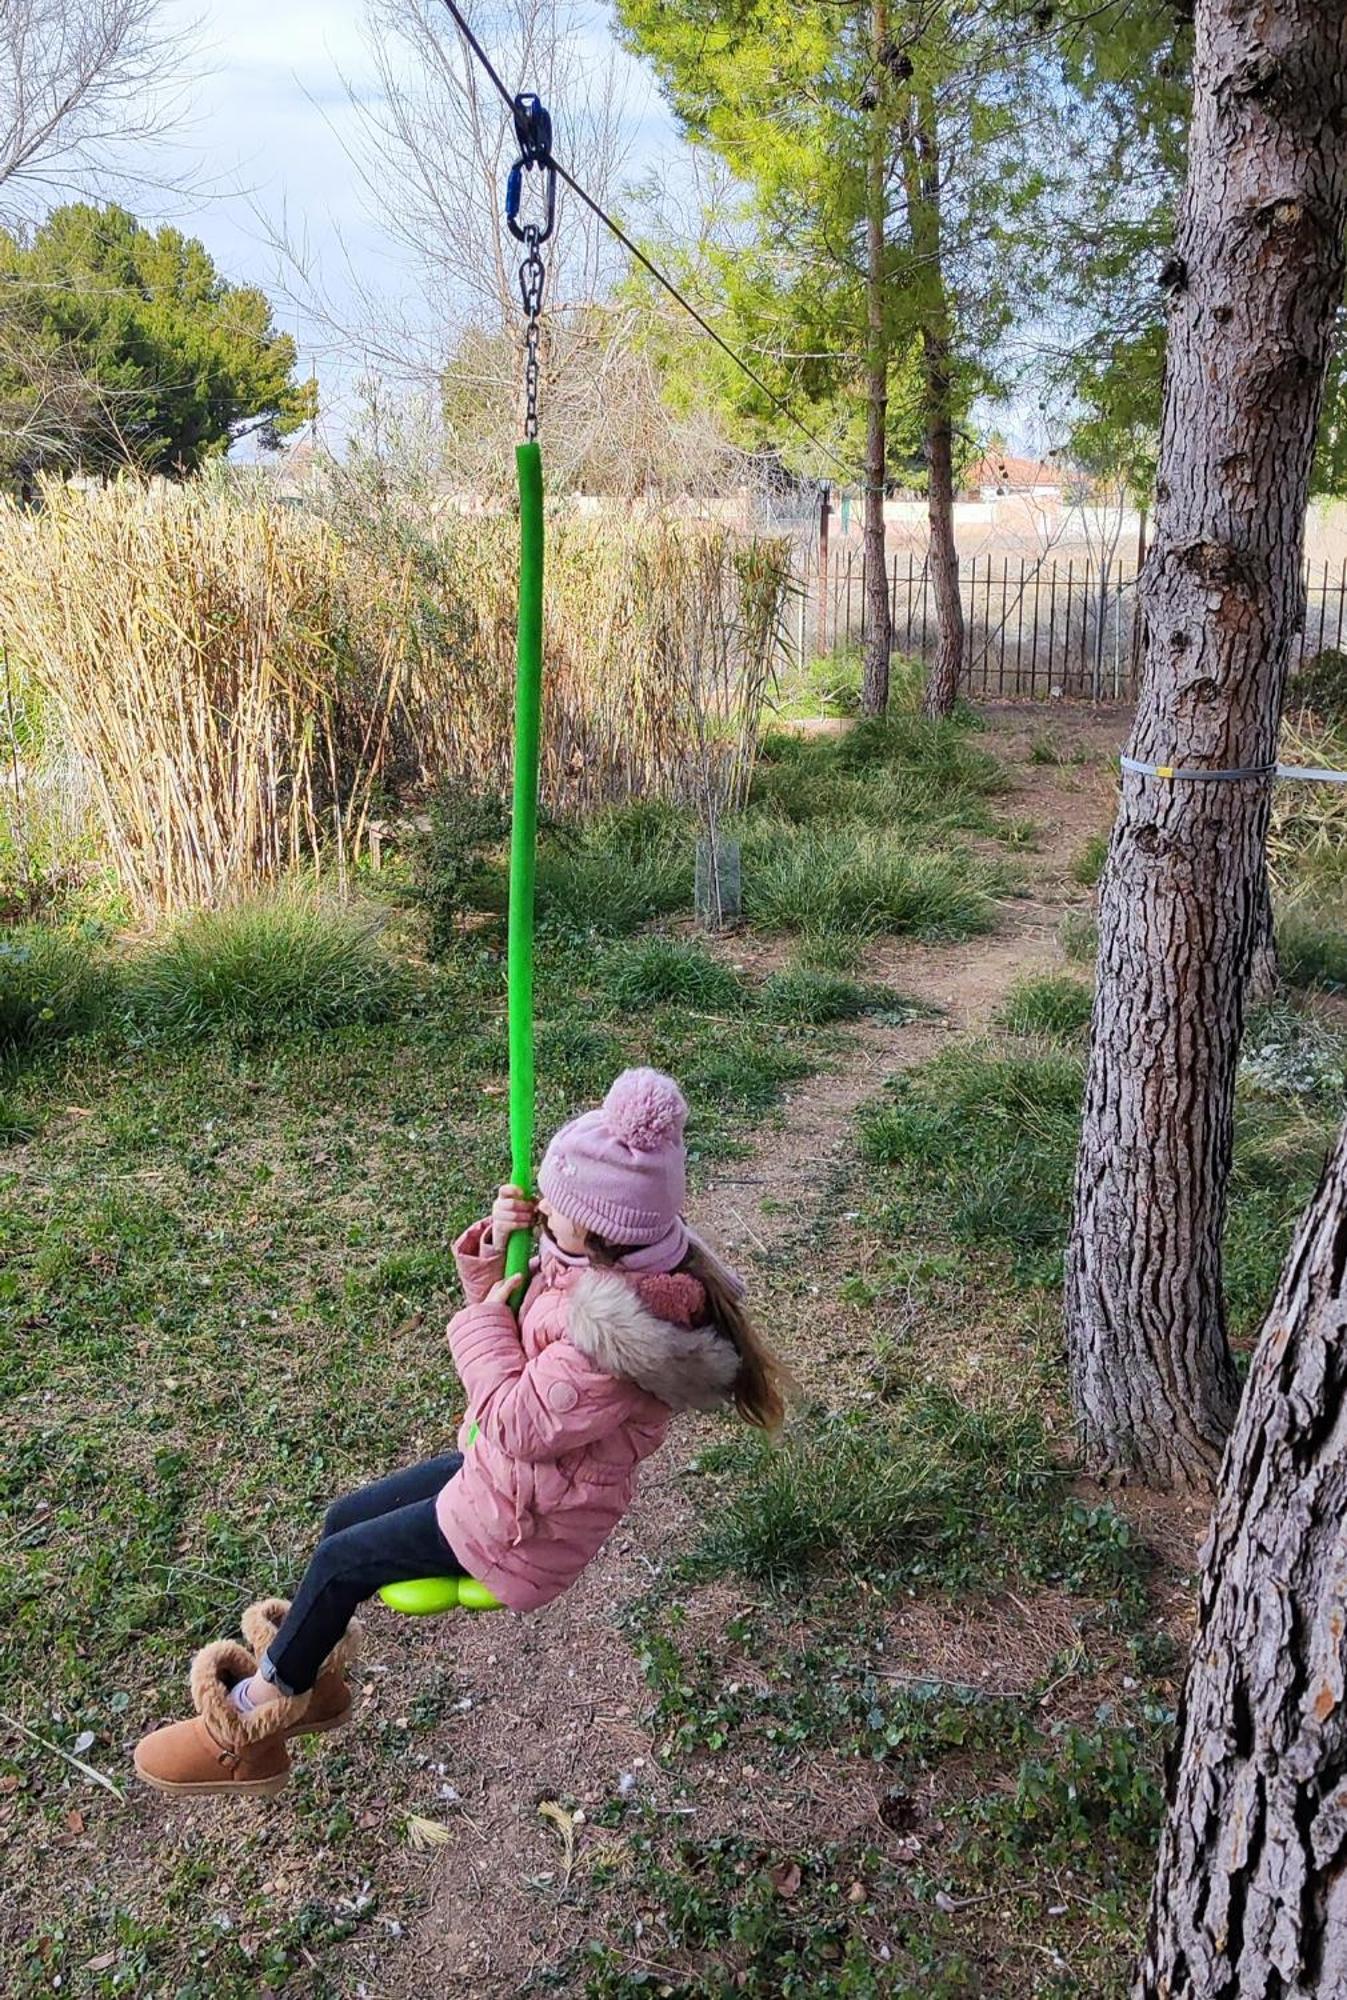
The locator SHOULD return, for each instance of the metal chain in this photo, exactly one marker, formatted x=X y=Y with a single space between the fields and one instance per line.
x=533 y=128
x=532 y=278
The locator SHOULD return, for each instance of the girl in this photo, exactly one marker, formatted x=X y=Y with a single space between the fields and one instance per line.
x=627 y=1318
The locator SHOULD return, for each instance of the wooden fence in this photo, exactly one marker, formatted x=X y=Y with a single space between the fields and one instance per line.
x=1060 y=627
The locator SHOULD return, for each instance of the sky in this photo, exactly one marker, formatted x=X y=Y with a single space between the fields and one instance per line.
x=268 y=134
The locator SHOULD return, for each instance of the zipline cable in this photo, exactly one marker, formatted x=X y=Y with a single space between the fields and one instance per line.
x=596 y=209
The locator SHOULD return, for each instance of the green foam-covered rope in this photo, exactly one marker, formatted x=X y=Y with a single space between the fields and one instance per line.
x=524 y=834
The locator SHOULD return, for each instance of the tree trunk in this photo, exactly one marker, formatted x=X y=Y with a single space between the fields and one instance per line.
x=1257 y=274
x=1265 y=973
x=878 y=621
x=942 y=679
x=1250 y=1896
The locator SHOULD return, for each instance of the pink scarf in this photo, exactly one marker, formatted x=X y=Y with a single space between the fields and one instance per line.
x=648 y=1259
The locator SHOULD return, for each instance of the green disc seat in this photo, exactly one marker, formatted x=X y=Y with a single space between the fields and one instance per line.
x=427 y=1596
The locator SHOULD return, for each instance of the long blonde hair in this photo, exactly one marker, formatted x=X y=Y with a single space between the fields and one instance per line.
x=763 y=1382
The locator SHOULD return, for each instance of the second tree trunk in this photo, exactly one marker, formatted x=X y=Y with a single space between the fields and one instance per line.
x=1256 y=278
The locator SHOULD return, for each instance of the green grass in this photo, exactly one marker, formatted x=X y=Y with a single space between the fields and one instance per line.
x=265 y=970
x=1088 y=865
x=615 y=874
x=907 y=773
x=805 y=996
x=53 y=984
x=659 y=971
x=927 y=1490
x=815 y=879
x=1051 y=1004
x=979 y=1146
x=1079 y=937
x=986 y=1140
x=1312 y=946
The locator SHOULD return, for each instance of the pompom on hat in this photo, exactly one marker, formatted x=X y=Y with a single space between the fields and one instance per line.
x=622 y=1170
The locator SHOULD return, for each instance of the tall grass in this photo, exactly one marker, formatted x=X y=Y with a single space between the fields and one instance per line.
x=815 y=878
x=264 y=969
x=241 y=686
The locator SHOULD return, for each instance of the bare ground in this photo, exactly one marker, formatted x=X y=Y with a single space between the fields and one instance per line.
x=558 y=1700
x=492 y=1716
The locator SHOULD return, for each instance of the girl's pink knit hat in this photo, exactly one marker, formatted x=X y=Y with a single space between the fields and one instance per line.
x=622 y=1171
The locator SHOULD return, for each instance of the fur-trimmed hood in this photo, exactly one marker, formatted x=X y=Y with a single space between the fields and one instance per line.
x=687 y=1367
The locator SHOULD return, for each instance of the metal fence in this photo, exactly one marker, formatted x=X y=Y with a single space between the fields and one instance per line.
x=1056 y=627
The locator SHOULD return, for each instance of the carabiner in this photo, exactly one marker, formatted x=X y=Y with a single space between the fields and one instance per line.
x=533 y=129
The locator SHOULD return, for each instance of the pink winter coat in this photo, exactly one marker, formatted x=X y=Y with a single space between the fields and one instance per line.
x=566 y=1403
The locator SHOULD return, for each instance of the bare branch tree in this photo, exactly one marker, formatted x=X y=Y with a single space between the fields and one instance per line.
x=87 y=87
x=432 y=150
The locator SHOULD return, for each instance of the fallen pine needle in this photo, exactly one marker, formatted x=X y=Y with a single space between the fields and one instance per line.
x=424 y=1833
x=565 y=1826
x=68 y=1755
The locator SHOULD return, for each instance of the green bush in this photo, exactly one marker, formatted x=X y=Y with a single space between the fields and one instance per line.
x=52 y=986
x=659 y=972
x=456 y=862
x=1054 y=1004
x=816 y=879
x=264 y=969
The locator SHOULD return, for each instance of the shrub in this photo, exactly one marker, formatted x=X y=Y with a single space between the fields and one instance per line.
x=249 y=682
x=452 y=860
x=1054 y=1004
x=656 y=973
x=265 y=969
x=52 y=986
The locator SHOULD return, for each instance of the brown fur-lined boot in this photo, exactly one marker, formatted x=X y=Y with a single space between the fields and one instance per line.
x=330 y=1704
x=218 y=1749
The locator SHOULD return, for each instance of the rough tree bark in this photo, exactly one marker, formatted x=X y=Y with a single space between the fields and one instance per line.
x=878 y=619
x=1250 y=1896
x=1256 y=275
x=1265 y=972
x=942 y=678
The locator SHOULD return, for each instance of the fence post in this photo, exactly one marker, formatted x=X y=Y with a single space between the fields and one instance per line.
x=821 y=635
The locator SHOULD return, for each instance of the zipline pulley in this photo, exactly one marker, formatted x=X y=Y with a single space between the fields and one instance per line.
x=533 y=129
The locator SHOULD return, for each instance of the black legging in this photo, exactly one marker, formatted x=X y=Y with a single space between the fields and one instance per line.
x=385 y=1533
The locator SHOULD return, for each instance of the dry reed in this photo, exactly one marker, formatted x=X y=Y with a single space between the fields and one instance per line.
x=239 y=684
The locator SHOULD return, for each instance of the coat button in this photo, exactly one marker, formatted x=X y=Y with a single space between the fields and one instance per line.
x=562 y=1396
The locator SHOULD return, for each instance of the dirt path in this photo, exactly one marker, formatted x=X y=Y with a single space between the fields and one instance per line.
x=551 y=1706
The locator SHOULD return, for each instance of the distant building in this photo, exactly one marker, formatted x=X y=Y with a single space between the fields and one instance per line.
x=1000 y=475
